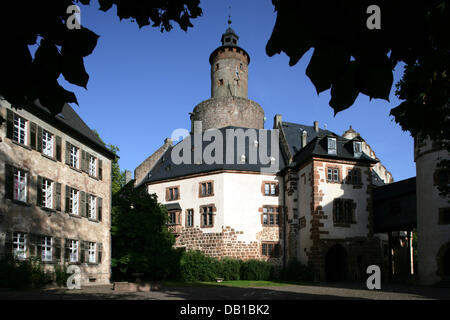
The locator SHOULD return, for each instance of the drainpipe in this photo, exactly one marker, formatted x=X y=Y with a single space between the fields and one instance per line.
x=284 y=223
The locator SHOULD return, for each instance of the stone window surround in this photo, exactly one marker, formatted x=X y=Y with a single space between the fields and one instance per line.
x=177 y=213
x=186 y=218
x=275 y=213
x=168 y=193
x=214 y=210
x=353 y=212
x=275 y=248
x=200 y=195
x=350 y=171
x=277 y=188
x=333 y=166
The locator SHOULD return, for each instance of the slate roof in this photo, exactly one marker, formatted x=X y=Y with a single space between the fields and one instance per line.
x=165 y=168
x=69 y=119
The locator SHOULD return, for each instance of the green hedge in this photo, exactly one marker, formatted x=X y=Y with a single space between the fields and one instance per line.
x=296 y=271
x=23 y=274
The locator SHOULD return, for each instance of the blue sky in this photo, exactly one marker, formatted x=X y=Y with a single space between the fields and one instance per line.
x=143 y=84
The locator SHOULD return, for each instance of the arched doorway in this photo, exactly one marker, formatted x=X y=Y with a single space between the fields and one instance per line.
x=336 y=264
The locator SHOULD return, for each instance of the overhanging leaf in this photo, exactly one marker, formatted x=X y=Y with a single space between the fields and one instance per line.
x=344 y=91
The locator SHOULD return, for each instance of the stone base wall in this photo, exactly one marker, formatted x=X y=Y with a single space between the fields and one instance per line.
x=221 y=244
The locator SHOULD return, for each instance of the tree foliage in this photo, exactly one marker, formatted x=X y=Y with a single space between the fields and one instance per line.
x=349 y=58
x=61 y=50
x=141 y=242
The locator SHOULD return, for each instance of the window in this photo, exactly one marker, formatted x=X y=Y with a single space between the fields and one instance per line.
x=73 y=250
x=47 y=143
x=20 y=185
x=343 y=211
x=92 y=166
x=20 y=130
x=190 y=218
x=47 y=193
x=172 y=193
x=173 y=217
x=271 y=216
x=92 y=207
x=74 y=156
x=206 y=189
x=20 y=245
x=46 y=245
x=207 y=216
x=269 y=249
x=331 y=145
x=333 y=174
x=444 y=216
x=220 y=82
x=354 y=176
x=270 y=188
x=92 y=252
x=74 y=201
x=357 y=148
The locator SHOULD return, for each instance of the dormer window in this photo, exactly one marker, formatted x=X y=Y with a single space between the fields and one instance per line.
x=357 y=148
x=331 y=145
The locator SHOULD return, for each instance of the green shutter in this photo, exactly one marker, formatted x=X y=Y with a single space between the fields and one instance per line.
x=82 y=251
x=39 y=139
x=57 y=204
x=83 y=161
x=99 y=252
x=83 y=203
x=100 y=169
x=56 y=249
x=99 y=208
x=68 y=152
x=67 y=250
x=9 y=244
x=33 y=129
x=39 y=191
x=9 y=124
x=9 y=181
x=58 y=148
x=29 y=181
x=67 y=198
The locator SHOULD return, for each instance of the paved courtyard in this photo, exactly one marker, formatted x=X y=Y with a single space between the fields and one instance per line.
x=287 y=292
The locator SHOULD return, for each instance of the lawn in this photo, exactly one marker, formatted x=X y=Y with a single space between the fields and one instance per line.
x=232 y=283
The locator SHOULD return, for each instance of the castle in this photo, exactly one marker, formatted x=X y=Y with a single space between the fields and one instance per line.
x=311 y=201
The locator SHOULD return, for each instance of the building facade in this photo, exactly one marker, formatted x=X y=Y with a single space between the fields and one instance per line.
x=55 y=191
x=312 y=201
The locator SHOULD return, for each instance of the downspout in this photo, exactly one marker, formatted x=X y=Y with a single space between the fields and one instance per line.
x=284 y=224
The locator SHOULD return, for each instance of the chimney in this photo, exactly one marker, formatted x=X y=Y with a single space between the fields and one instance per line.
x=304 y=138
x=316 y=126
x=127 y=176
x=277 y=121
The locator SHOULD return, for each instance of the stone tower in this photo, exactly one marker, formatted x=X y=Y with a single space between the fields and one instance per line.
x=229 y=104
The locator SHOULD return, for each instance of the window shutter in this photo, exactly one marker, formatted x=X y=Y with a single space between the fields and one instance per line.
x=33 y=129
x=100 y=169
x=84 y=156
x=82 y=252
x=9 y=181
x=39 y=139
x=32 y=245
x=39 y=191
x=57 y=204
x=56 y=249
x=99 y=252
x=66 y=250
x=99 y=208
x=83 y=203
x=29 y=180
x=9 y=244
x=67 y=152
x=67 y=198
x=9 y=124
x=58 y=148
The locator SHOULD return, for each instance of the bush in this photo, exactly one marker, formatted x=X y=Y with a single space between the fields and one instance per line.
x=196 y=266
x=22 y=274
x=256 y=270
x=231 y=269
x=296 y=271
x=61 y=275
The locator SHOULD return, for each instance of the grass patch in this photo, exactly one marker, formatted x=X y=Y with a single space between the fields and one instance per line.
x=233 y=283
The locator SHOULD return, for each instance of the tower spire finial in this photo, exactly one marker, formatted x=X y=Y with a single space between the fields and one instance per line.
x=229 y=16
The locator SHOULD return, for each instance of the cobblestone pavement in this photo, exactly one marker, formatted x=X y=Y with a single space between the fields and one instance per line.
x=287 y=292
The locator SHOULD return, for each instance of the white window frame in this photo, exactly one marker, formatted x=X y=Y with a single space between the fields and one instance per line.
x=92 y=207
x=20 y=185
x=20 y=245
x=74 y=156
x=332 y=146
x=20 y=133
x=74 y=201
x=47 y=143
x=92 y=250
x=47 y=193
x=73 y=250
x=357 y=147
x=47 y=251
x=92 y=166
